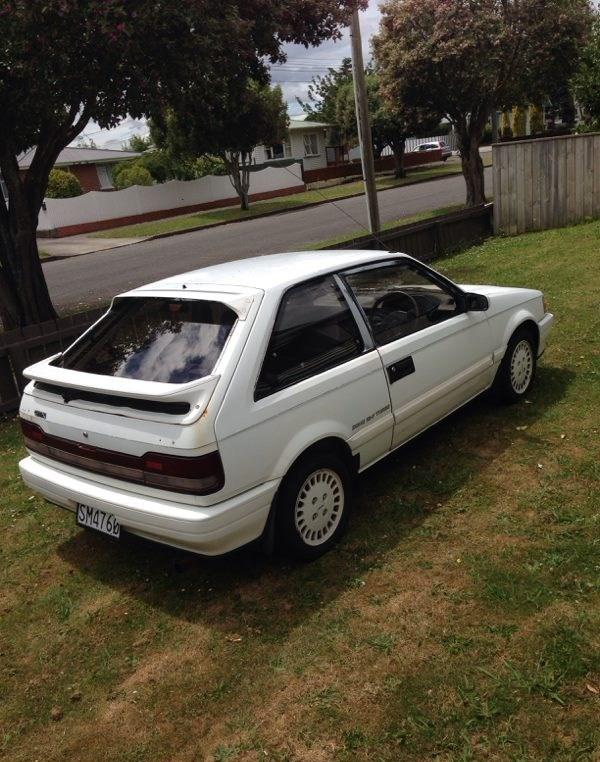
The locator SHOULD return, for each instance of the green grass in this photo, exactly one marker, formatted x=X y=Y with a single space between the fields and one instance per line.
x=458 y=620
x=282 y=204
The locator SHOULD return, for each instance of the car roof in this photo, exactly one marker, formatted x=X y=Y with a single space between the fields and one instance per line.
x=272 y=271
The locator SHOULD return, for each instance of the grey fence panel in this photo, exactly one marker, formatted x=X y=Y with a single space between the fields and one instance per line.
x=24 y=346
x=546 y=183
x=431 y=238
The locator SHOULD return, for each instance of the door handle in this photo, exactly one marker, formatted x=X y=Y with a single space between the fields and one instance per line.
x=400 y=369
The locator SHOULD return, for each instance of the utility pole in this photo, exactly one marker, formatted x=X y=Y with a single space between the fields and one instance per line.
x=363 y=123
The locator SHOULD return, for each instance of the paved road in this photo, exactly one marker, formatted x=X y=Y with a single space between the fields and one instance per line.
x=92 y=278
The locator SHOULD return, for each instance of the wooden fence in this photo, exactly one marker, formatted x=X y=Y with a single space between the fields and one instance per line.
x=423 y=240
x=546 y=183
x=431 y=238
x=22 y=347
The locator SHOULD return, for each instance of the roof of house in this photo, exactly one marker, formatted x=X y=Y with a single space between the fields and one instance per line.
x=272 y=271
x=70 y=155
x=299 y=124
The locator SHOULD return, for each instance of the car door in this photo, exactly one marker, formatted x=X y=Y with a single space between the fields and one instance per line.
x=437 y=355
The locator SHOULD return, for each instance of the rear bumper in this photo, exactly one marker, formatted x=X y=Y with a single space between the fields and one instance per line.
x=544 y=326
x=210 y=530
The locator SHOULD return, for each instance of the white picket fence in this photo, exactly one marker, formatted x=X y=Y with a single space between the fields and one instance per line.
x=411 y=145
x=97 y=207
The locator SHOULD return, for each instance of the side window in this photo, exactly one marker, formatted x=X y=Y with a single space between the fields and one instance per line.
x=314 y=331
x=311 y=144
x=399 y=299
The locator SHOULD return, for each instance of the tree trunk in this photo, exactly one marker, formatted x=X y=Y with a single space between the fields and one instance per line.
x=398 y=152
x=24 y=296
x=472 y=169
x=238 y=166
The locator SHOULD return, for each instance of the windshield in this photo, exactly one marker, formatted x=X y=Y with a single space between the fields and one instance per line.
x=154 y=339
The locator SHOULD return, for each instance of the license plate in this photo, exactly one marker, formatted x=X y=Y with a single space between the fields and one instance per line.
x=94 y=518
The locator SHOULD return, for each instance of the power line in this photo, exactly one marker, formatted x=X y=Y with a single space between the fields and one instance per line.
x=343 y=211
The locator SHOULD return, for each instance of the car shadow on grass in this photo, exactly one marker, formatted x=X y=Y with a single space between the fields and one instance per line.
x=394 y=499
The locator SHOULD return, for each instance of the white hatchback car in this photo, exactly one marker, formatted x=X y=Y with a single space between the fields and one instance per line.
x=238 y=402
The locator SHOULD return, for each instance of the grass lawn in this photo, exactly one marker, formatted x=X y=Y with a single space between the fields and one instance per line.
x=458 y=620
x=284 y=203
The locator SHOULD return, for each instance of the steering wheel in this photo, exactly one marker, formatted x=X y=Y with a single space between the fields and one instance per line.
x=393 y=297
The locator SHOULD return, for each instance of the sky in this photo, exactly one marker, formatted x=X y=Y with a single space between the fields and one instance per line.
x=294 y=77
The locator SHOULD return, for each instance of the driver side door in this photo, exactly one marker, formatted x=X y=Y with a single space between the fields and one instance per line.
x=436 y=355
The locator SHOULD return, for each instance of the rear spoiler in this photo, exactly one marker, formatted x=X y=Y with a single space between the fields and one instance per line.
x=106 y=393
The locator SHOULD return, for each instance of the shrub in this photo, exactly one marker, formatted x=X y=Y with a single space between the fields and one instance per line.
x=132 y=175
x=536 y=120
x=63 y=184
x=157 y=164
x=519 y=121
x=506 y=125
x=209 y=165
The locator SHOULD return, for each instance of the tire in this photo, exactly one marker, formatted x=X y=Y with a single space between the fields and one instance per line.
x=322 y=483
x=516 y=373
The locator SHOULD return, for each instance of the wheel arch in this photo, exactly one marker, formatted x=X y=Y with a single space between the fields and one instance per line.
x=329 y=445
x=521 y=319
x=326 y=444
x=530 y=325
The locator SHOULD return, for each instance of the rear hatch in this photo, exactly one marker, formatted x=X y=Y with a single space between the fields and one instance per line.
x=139 y=387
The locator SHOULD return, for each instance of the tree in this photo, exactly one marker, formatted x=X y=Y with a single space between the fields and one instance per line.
x=586 y=81
x=62 y=184
x=536 y=120
x=83 y=142
x=134 y=174
x=520 y=121
x=64 y=62
x=250 y=114
x=138 y=143
x=507 y=130
x=467 y=57
x=323 y=93
x=390 y=125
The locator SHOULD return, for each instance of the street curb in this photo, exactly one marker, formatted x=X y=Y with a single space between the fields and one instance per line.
x=196 y=228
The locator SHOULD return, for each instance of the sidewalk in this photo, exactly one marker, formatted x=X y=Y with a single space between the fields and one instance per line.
x=73 y=246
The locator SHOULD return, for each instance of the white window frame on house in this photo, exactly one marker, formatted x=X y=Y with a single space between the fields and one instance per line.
x=104 y=176
x=311 y=144
x=270 y=155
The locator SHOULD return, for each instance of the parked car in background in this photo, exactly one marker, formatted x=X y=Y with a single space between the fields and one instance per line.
x=436 y=145
x=239 y=401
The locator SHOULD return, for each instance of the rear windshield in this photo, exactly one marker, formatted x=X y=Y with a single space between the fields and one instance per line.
x=154 y=339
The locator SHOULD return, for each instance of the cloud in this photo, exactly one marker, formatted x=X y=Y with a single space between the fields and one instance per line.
x=294 y=77
x=303 y=64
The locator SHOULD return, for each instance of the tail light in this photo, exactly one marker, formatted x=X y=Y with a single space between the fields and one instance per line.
x=201 y=475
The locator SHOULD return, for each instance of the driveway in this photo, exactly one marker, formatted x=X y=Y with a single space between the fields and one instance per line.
x=93 y=278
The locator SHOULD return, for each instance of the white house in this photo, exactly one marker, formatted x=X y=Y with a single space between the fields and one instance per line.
x=305 y=140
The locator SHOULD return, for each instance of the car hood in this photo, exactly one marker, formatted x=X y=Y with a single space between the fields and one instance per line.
x=502 y=297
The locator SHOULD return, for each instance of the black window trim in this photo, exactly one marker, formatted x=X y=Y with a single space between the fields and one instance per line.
x=458 y=293
x=355 y=310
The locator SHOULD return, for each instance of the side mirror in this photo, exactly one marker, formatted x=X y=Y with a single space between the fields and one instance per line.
x=477 y=303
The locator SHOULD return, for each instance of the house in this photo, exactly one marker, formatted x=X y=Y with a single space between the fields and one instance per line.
x=305 y=140
x=91 y=166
